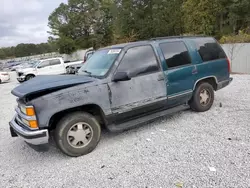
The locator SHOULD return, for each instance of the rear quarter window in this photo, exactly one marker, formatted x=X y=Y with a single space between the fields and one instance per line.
x=209 y=49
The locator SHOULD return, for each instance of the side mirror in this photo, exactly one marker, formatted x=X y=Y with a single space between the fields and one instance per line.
x=121 y=76
x=39 y=67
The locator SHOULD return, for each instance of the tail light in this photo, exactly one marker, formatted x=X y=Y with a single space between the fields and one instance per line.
x=4 y=74
x=229 y=65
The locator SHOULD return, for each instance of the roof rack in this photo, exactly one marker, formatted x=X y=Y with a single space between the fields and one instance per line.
x=177 y=37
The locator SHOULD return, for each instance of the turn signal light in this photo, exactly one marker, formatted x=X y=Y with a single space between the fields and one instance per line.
x=30 y=111
x=33 y=124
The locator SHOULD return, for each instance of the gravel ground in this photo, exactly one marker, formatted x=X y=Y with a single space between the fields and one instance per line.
x=210 y=149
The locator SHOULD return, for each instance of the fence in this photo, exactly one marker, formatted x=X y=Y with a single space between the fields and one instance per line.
x=239 y=55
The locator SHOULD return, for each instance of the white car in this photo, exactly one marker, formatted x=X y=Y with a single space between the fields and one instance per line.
x=52 y=66
x=4 y=77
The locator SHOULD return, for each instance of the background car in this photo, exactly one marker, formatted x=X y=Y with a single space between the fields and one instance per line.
x=10 y=64
x=73 y=69
x=25 y=64
x=4 y=77
x=1 y=65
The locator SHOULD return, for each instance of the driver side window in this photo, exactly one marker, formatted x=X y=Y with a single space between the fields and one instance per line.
x=44 y=64
x=138 y=61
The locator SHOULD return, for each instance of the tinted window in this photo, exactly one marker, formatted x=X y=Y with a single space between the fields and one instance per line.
x=209 y=49
x=175 y=53
x=139 y=60
x=44 y=64
x=55 y=62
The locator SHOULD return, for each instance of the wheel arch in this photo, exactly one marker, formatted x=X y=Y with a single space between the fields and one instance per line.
x=92 y=109
x=210 y=79
x=30 y=74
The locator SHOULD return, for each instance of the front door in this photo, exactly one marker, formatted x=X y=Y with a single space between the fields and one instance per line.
x=145 y=92
x=43 y=68
x=56 y=67
x=179 y=73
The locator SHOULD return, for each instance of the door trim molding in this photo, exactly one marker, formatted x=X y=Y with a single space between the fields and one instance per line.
x=186 y=92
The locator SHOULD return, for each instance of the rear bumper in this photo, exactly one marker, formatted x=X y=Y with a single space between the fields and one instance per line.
x=36 y=137
x=224 y=83
x=5 y=78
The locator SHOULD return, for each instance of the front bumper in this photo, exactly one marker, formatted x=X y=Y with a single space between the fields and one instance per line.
x=21 y=78
x=33 y=137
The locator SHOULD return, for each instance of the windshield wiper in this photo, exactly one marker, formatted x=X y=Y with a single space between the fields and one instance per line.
x=89 y=73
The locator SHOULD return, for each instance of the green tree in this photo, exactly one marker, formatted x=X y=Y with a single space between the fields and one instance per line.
x=200 y=16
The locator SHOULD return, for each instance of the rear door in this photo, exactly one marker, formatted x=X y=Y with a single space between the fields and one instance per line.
x=180 y=71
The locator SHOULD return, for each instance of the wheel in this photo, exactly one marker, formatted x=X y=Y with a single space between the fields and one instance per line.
x=20 y=81
x=68 y=70
x=0 y=81
x=29 y=77
x=77 y=134
x=203 y=97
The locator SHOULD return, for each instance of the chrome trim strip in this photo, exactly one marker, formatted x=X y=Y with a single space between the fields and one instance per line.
x=180 y=94
x=205 y=78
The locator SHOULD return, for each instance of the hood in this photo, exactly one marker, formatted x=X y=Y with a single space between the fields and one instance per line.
x=49 y=82
x=23 y=70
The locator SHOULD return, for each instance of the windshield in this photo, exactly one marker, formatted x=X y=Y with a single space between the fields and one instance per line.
x=100 y=62
x=34 y=64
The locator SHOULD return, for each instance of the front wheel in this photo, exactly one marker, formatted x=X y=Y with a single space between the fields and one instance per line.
x=203 y=97
x=29 y=77
x=77 y=134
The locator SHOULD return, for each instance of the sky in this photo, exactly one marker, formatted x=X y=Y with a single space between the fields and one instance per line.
x=25 y=21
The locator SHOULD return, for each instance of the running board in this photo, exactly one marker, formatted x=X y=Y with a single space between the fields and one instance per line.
x=145 y=119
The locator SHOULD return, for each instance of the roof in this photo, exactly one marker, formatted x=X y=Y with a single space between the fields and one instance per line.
x=126 y=44
x=154 y=39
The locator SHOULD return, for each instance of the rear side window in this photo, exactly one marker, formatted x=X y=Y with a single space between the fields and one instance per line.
x=209 y=49
x=55 y=62
x=175 y=53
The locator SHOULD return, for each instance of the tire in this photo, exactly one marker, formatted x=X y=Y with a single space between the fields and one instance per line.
x=203 y=97
x=20 y=81
x=29 y=77
x=67 y=70
x=0 y=81
x=74 y=146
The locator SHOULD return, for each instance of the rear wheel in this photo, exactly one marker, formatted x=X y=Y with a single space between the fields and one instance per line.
x=203 y=97
x=77 y=134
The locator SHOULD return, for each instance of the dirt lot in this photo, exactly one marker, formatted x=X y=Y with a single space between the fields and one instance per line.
x=200 y=150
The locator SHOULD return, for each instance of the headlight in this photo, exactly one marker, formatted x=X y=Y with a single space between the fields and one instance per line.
x=28 y=110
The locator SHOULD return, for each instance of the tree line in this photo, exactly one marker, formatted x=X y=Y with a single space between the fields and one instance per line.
x=82 y=24
x=22 y=50
x=86 y=23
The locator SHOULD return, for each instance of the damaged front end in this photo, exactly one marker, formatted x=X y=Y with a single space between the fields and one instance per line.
x=25 y=122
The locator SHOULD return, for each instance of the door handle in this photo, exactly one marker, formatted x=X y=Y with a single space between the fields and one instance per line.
x=160 y=77
x=194 y=70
